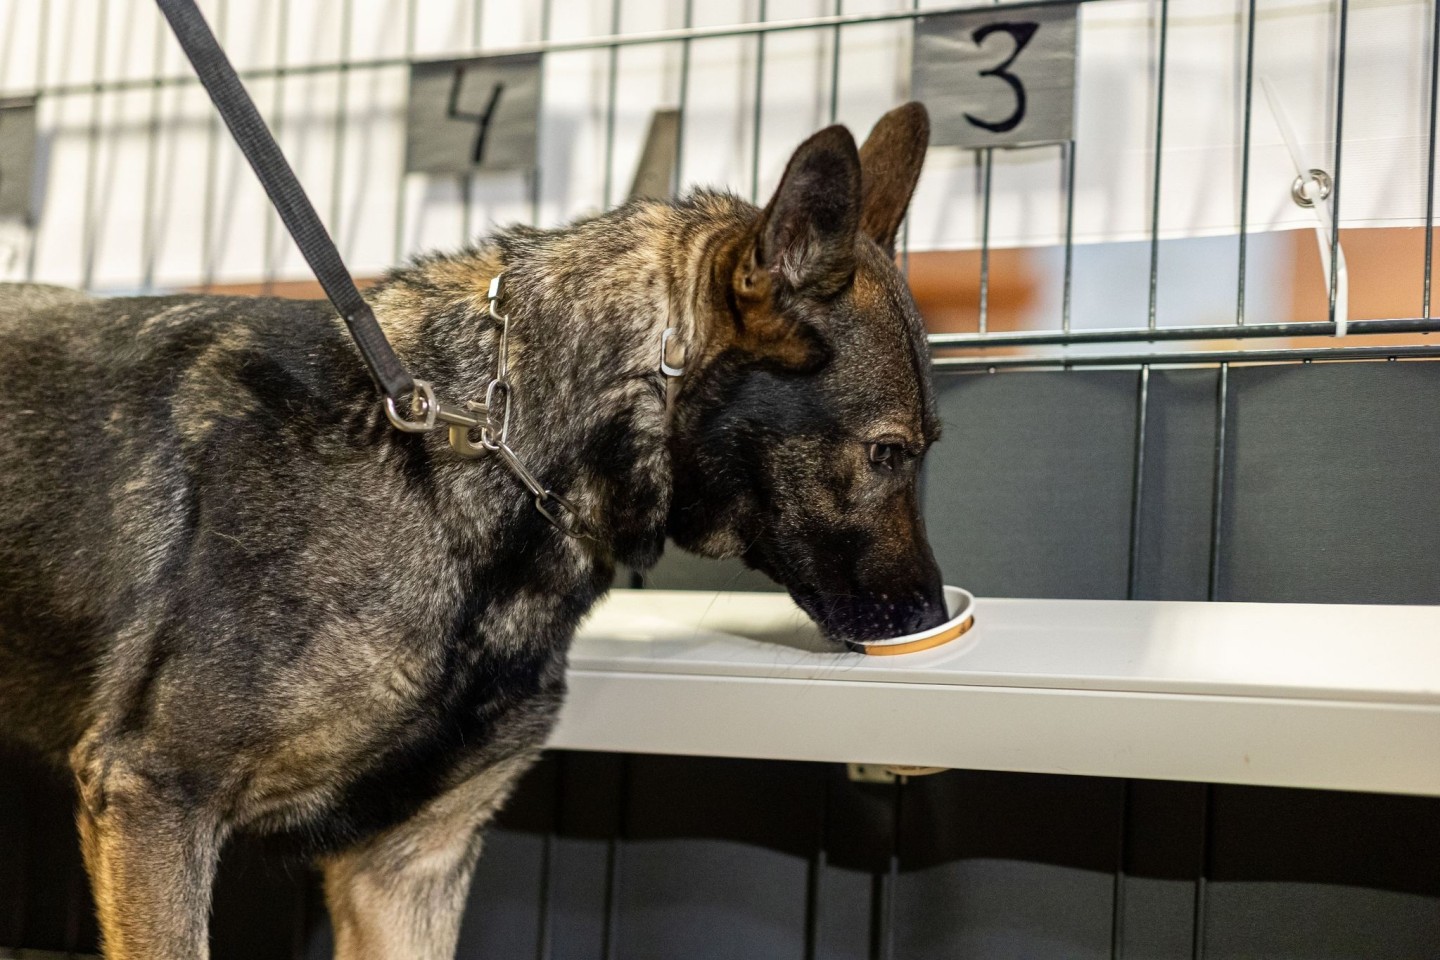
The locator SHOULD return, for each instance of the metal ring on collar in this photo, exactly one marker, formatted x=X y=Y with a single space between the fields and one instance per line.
x=425 y=395
x=488 y=435
x=665 y=366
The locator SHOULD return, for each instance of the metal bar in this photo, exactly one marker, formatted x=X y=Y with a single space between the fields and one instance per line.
x=537 y=170
x=212 y=171
x=411 y=13
x=1117 y=893
x=342 y=106
x=815 y=875
x=1322 y=354
x=148 y=243
x=758 y=115
x=42 y=41
x=1069 y=153
x=1037 y=338
x=1245 y=165
x=1137 y=488
x=835 y=65
x=1197 y=917
x=612 y=84
x=874 y=951
x=467 y=179
x=88 y=242
x=1430 y=157
x=300 y=926
x=1217 y=494
x=988 y=166
x=611 y=929
x=77 y=908
x=892 y=877
x=543 y=935
x=1159 y=136
x=1339 y=143
x=684 y=98
x=267 y=253
x=905 y=224
x=687 y=33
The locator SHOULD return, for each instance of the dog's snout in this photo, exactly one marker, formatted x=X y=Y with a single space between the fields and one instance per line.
x=926 y=615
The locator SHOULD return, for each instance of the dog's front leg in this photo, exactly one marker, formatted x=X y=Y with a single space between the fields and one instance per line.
x=151 y=858
x=400 y=896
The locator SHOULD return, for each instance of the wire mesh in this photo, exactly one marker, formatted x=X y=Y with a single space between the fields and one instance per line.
x=989 y=346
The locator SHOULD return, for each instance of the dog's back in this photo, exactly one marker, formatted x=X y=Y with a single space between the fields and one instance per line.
x=107 y=434
x=43 y=666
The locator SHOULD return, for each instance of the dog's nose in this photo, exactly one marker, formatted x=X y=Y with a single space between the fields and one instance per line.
x=924 y=616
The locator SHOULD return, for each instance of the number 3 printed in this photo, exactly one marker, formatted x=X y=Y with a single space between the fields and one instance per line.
x=1022 y=33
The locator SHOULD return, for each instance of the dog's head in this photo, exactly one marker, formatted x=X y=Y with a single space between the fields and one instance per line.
x=798 y=436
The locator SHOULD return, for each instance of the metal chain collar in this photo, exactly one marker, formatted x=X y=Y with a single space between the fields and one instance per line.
x=492 y=419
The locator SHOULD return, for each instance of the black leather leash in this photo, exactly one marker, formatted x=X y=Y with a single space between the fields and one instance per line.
x=491 y=418
x=296 y=212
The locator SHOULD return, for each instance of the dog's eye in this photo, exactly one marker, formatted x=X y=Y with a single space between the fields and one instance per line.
x=885 y=456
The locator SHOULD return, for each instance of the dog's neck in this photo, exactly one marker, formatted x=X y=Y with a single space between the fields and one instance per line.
x=588 y=305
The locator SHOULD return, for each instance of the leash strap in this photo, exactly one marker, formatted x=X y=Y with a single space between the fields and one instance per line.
x=296 y=212
x=491 y=418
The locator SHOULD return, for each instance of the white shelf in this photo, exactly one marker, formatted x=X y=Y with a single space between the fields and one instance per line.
x=1303 y=695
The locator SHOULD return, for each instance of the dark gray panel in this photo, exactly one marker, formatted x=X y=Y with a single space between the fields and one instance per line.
x=1164 y=855
x=55 y=911
x=678 y=570
x=1332 y=491
x=320 y=943
x=859 y=852
x=716 y=858
x=1302 y=873
x=1005 y=866
x=1028 y=494
x=703 y=898
x=1178 y=486
x=589 y=824
x=14 y=848
x=508 y=910
x=843 y=921
x=263 y=904
x=578 y=903
x=1264 y=921
x=1003 y=910
x=504 y=915
x=1158 y=918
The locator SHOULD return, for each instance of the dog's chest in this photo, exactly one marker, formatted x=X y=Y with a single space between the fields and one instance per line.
x=393 y=725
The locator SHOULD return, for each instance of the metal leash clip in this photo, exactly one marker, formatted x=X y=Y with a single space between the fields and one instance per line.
x=492 y=419
x=427 y=414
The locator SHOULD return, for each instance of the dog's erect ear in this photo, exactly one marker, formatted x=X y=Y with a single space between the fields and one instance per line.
x=890 y=165
x=803 y=244
x=806 y=237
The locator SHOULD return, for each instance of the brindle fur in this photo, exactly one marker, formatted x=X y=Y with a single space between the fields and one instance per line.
x=233 y=598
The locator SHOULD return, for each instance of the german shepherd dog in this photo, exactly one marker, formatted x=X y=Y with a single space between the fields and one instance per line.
x=232 y=597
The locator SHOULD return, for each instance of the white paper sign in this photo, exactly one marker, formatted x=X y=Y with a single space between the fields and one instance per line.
x=999 y=77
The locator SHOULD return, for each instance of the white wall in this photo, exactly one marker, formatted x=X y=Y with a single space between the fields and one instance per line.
x=143 y=189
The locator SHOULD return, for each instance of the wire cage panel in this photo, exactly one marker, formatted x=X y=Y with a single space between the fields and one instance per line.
x=1190 y=123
